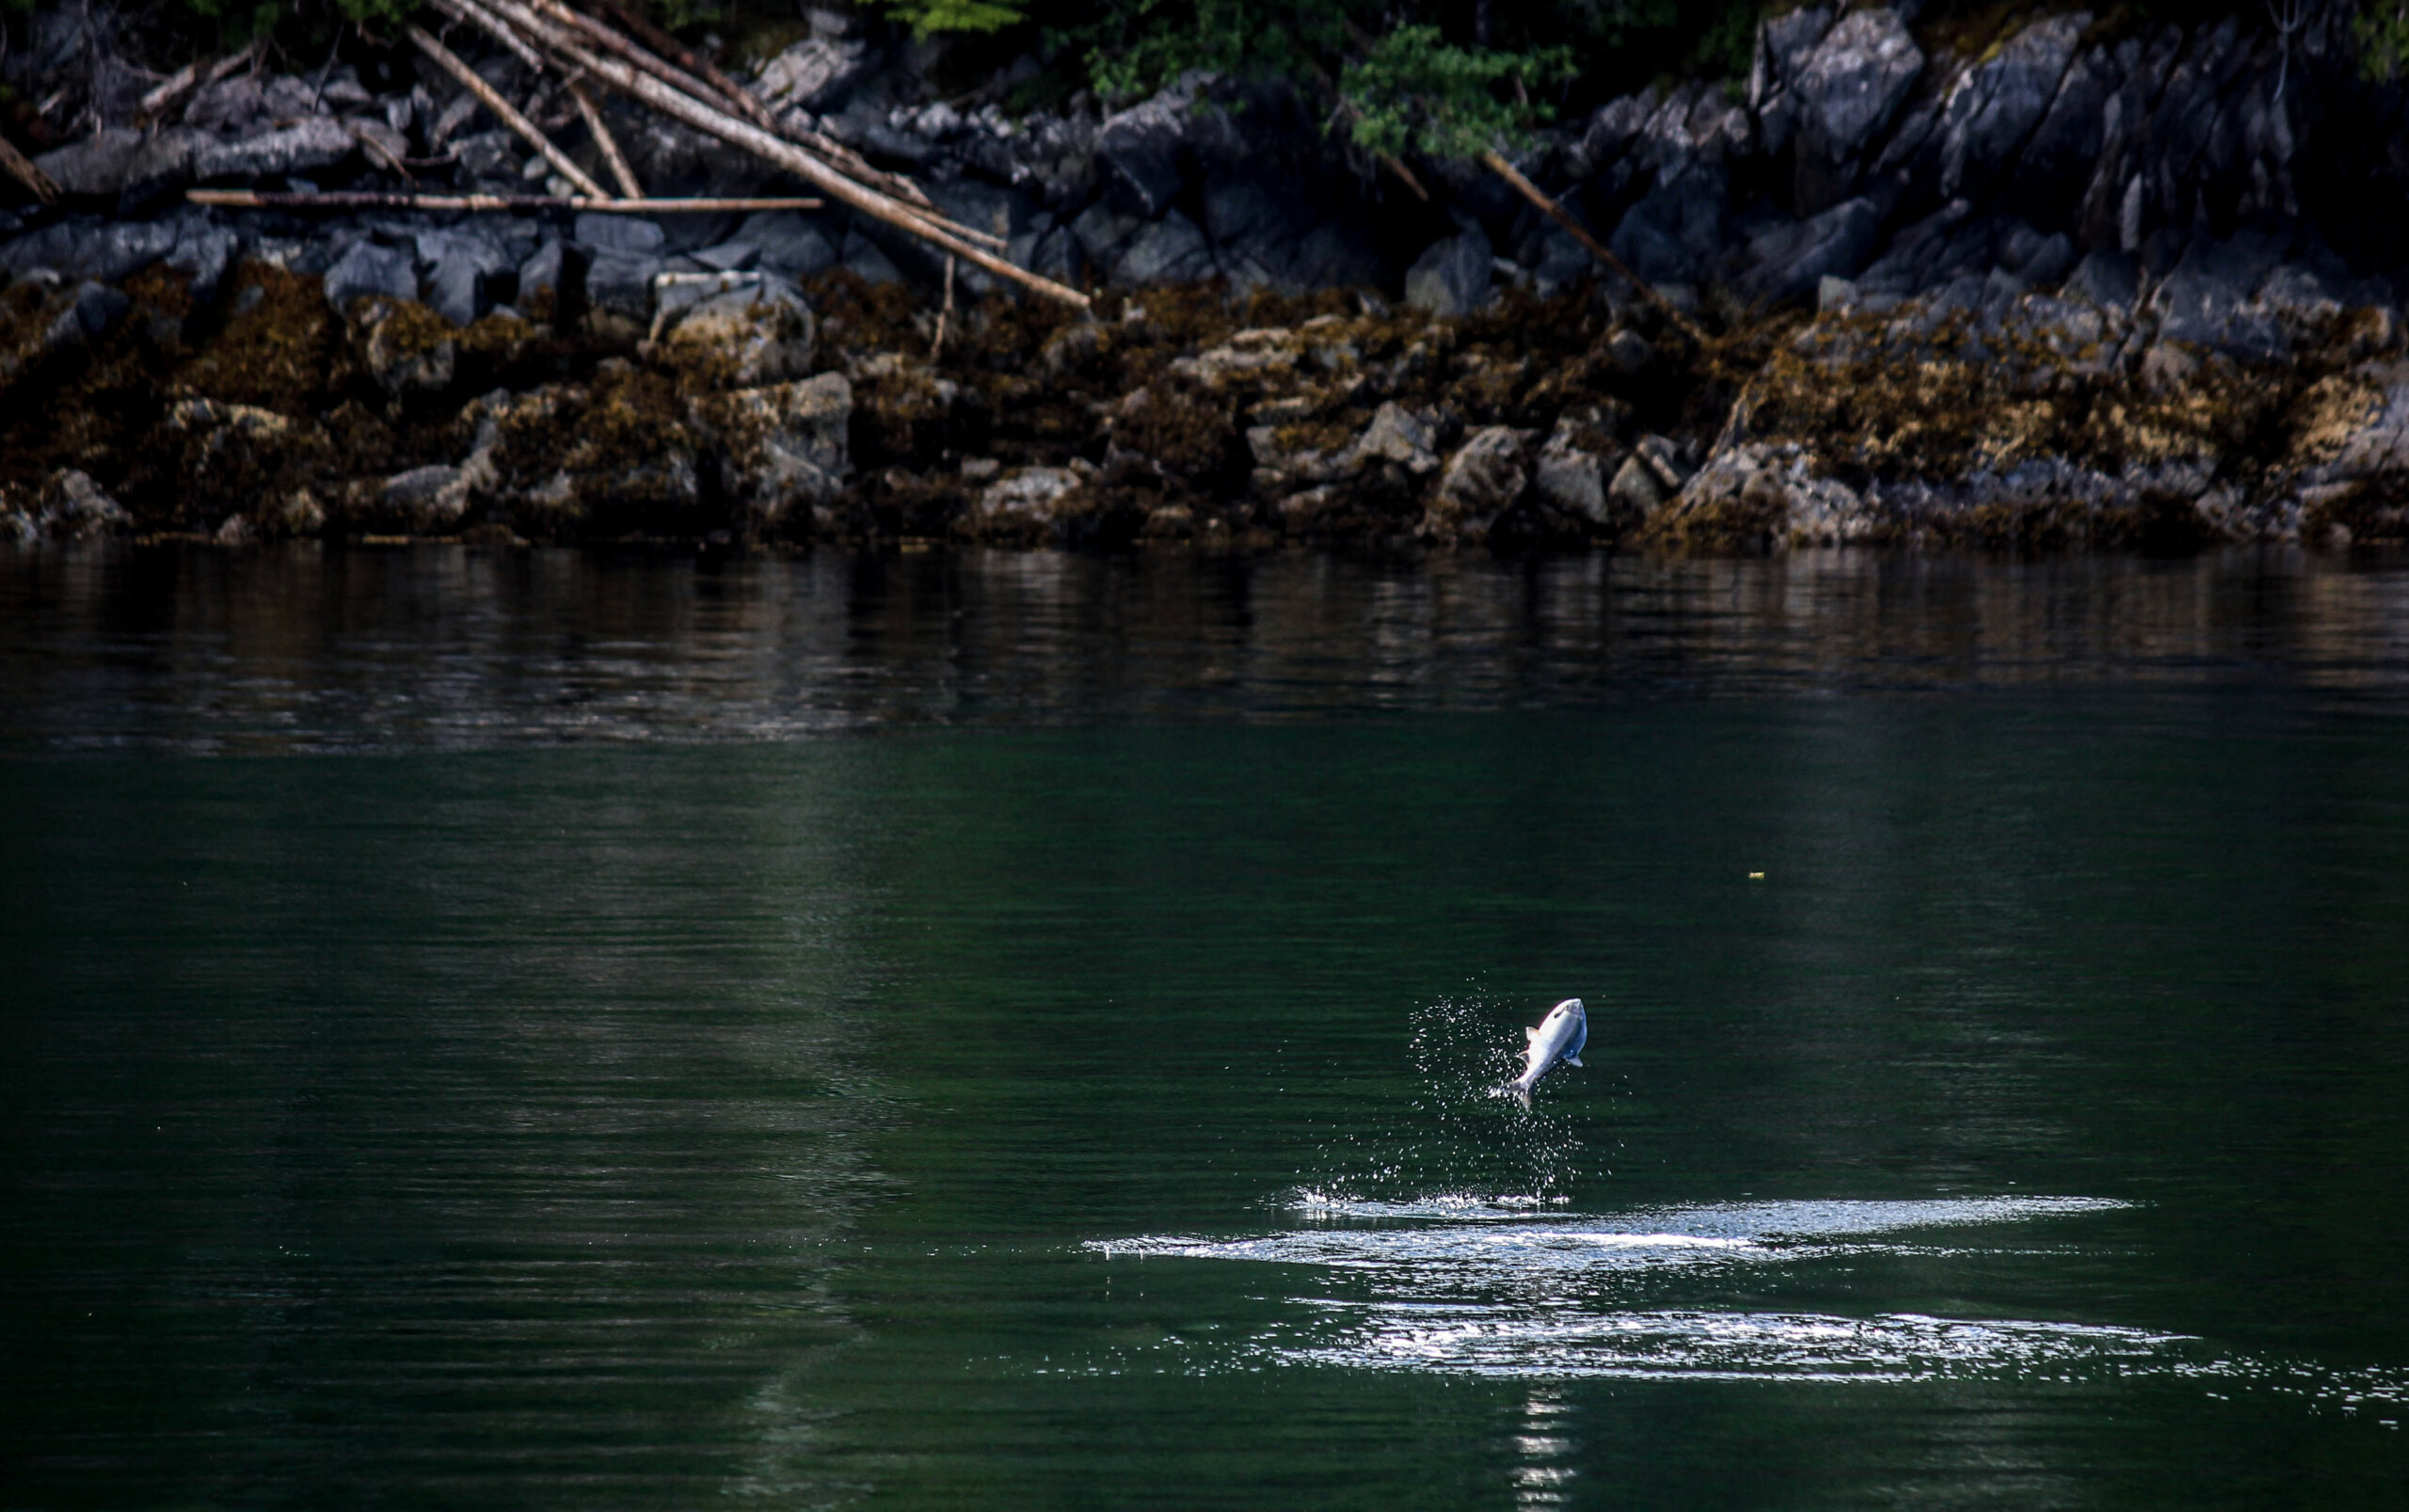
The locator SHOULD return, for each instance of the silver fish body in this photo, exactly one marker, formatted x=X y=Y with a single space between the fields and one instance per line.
x=1560 y=1037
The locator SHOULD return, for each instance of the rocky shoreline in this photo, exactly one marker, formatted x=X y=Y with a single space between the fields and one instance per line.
x=2061 y=287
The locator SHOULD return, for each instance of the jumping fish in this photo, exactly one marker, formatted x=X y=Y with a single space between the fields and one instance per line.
x=1560 y=1036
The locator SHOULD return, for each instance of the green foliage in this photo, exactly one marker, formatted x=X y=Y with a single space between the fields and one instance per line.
x=1413 y=91
x=929 y=16
x=2383 y=34
x=1133 y=47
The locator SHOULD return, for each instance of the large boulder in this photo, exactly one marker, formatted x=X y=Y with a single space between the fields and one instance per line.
x=1787 y=263
x=75 y=508
x=1027 y=505
x=93 y=169
x=1144 y=153
x=1572 y=470
x=311 y=145
x=109 y=251
x=1995 y=106
x=367 y=271
x=464 y=271
x=1170 y=250
x=429 y=500
x=1481 y=481
x=814 y=74
x=1847 y=90
x=1452 y=276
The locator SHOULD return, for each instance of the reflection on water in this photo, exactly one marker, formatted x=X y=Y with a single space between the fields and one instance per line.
x=455 y=646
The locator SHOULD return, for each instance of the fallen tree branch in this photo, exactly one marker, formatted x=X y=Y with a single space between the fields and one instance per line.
x=610 y=42
x=1497 y=163
x=778 y=152
x=372 y=199
x=746 y=103
x=845 y=159
x=504 y=111
x=476 y=15
x=604 y=140
x=20 y=168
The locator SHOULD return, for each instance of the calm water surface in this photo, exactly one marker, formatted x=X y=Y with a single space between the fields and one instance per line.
x=504 y=1031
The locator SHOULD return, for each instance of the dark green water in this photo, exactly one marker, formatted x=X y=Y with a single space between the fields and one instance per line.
x=1016 y=1032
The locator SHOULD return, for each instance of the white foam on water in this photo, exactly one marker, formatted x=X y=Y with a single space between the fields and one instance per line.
x=1697 y=1344
x=1457 y=1254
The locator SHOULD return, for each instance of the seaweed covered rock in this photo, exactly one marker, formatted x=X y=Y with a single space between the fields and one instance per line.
x=565 y=461
x=736 y=331
x=224 y=458
x=781 y=450
x=70 y=507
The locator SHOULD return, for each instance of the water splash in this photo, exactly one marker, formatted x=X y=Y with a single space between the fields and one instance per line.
x=1462 y=1136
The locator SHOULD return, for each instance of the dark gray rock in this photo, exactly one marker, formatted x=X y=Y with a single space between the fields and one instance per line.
x=557 y=269
x=1675 y=233
x=2040 y=262
x=428 y=500
x=729 y=257
x=1998 y=104
x=466 y=274
x=1268 y=238
x=368 y=270
x=311 y=145
x=93 y=169
x=630 y=236
x=790 y=243
x=202 y=253
x=107 y=250
x=816 y=74
x=1102 y=232
x=1172 y=251
x=492 y=157
x=1848 y=90
x=1334 y=255
x=1783 y=266
x=97 y=307
x=2207 y=300
x=1144 y=155
x=1950 y=241
x=1056 y=255
x=619 y=285
x=162 y=167
x=867 y=261
x=1783 y=46
x=2045 y=182
x=1452 y=276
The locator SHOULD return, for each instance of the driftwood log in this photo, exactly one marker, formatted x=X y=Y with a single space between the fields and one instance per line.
x=490 y=204
x=504 y=111
x=644 y=86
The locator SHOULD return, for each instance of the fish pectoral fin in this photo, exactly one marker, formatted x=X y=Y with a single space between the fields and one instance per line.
x=1575 y=1061
x=1531 y=1035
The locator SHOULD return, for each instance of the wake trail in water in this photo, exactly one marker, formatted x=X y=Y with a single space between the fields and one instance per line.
x=1524 y=1287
